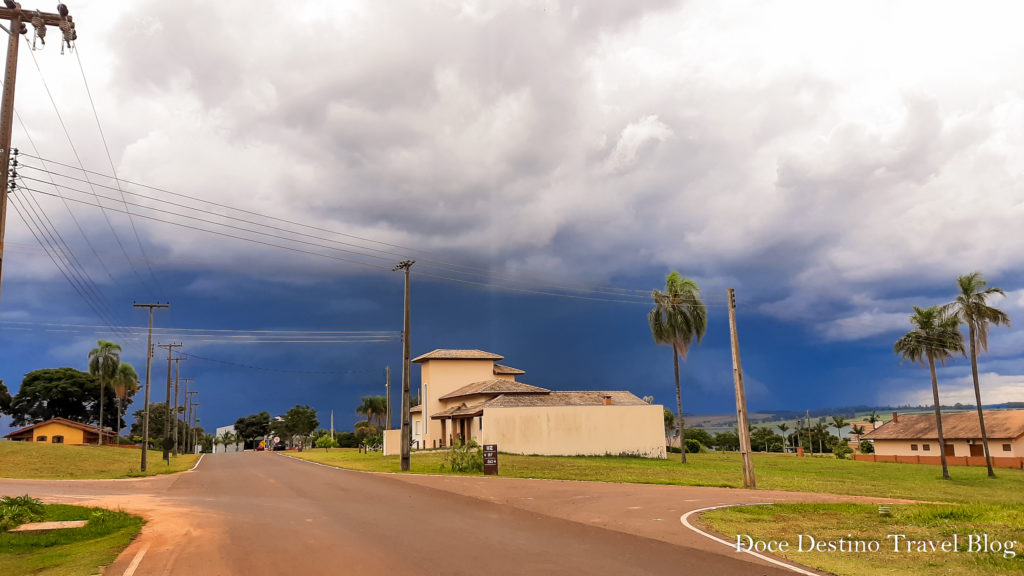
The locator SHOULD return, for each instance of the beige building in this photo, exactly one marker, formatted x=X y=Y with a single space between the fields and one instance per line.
x=466 y=395
x=915 y=435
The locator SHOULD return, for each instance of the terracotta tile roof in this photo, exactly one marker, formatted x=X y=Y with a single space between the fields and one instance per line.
x=495 y=386
x=445 y=354
x=580 y=398
x=502 y=369
x=955 y=425
x=461 y=411
x=66 y=422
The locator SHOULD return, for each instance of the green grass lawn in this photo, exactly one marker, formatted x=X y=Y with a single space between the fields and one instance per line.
x=57 y=462
x=69 y=552
x=774 y=471
x=862 y=522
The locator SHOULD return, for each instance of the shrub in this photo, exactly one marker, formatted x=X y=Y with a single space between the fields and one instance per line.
x=326 y=442
x=17 y=510
x=692 y=446
x=842 y=449
x=467 y=458
x=867 y=447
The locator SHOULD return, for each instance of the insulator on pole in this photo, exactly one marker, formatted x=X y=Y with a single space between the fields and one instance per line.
x=62 y=9
x=40 y=26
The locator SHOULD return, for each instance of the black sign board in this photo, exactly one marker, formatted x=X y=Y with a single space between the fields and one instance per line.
x=490 y=459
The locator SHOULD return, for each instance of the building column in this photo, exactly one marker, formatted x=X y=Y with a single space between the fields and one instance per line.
x=444 y=433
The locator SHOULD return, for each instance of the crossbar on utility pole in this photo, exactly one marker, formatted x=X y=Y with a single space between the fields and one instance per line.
x=406 y=423
x=149 y=362
x=742 y=422
x=17 y=17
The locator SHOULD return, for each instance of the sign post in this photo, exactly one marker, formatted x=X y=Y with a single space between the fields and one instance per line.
x=490 y=459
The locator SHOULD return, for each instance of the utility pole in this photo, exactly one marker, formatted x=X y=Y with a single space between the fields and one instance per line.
x=149 y=361
x=189 y=407
x=195 y=423
x=387 y=395
x=332 y=425
x=406 y=424
x=186 y=380
x=40 y=20
x=741 y=398
x=170 y=349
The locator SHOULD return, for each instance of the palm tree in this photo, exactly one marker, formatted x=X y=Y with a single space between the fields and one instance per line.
x=971 y=308
x=375 y=409
x=838 y=422
x=677 y=318
x=783 y=428
x=103 y=362
x=935 y=336
x=126 y=383
x=872 y=418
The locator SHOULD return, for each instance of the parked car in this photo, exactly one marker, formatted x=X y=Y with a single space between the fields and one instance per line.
x=279 y=446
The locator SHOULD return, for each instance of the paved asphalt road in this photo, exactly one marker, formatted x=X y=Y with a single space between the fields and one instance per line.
x=256 y=514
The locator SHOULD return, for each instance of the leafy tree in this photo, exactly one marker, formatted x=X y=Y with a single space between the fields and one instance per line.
x=364 y=428
x=935 y=336
x=727 y=441
x=867 y=447
x=157 y=421
x=5 y=399
x=103 y=362
x=763 y=437
x=126 y=384
x=414 y=401
x=326 y=442
x=670 y=422
x=300 y=421
x=678 y=317
x=249 y=428
x=346 y=439
x=700 y=435
x=375 y=409
x=842 y=449
x=971 y=308
x=54 y=393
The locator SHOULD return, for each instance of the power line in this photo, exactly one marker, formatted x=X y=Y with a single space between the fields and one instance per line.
x=113 y=171
x=453 y=268
x=278 y=370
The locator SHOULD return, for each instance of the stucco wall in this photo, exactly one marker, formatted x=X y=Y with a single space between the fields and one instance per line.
x=392 y=442
x=577 y=430
x=71 y=435
x=439 y=377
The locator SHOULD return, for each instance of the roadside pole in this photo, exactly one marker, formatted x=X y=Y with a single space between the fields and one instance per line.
x=406 y=423
x=742 y=422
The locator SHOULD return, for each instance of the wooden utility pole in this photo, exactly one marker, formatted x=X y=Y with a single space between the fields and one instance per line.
x=406 y=423
x=195 y=423
x=186 y=381
x=189 y=407
x=40 y=20
x=149 y=361
x=742 y=422
x=387 y=396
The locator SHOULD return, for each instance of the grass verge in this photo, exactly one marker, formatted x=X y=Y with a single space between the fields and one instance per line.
x=774 y=471
x=26 y=460
x=867 y=543
x=68 y=552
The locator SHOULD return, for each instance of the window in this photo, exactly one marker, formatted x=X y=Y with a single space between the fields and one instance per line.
x=40 y=438
x=926 y=447
x=58 y=439
x=1007 y=448
x=913 y=447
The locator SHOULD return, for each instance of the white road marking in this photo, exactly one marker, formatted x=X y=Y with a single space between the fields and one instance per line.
x=197 y=463
x=136 y=561
x=685 y=520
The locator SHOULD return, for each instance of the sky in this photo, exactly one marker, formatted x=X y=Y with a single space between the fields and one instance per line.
x=546 y=164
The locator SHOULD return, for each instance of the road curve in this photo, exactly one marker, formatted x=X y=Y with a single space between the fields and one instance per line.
x=256 y=513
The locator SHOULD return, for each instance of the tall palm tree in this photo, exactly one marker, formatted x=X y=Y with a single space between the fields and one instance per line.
x=872 y=418
x=971 y=308
x=783 y=428
x=936 y=336
x=677 y=318
x=103 y=362
x=375 y=410
x=838 y=422
x=126 y=383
